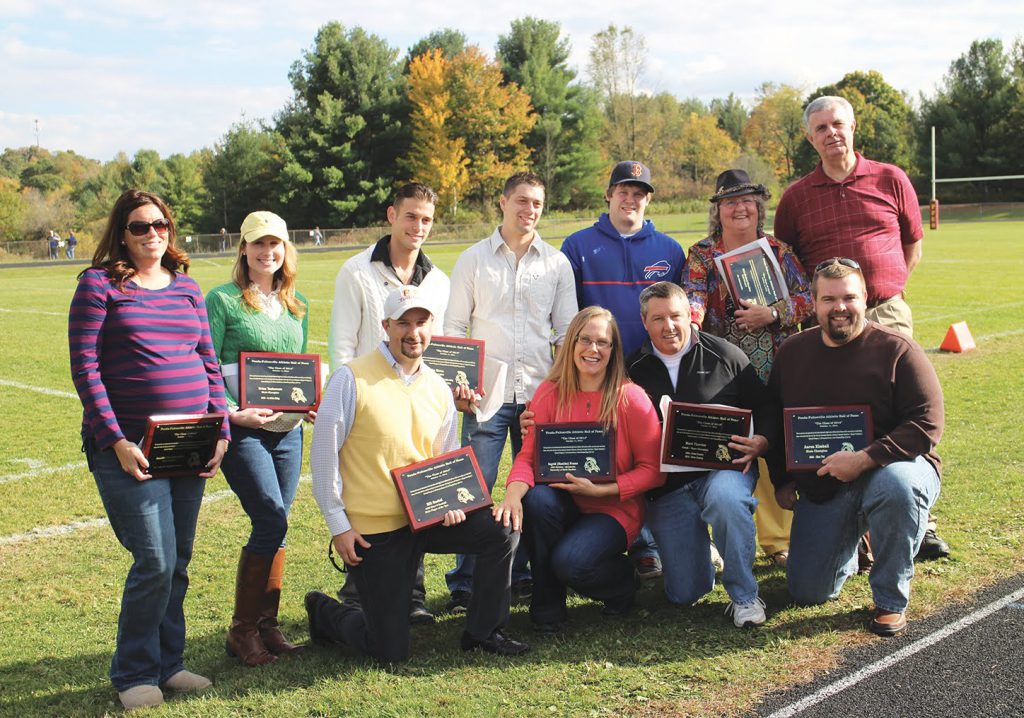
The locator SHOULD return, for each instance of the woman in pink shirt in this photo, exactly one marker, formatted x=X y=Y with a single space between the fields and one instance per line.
x=577 y=530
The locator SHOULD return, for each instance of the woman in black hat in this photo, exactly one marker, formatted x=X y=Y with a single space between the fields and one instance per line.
x=736 y=218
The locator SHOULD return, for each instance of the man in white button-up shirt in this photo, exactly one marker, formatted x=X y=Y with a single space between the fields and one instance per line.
x=518 y=295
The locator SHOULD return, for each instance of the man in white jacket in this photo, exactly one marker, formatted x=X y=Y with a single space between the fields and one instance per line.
x=363 y=284
x=395 y=260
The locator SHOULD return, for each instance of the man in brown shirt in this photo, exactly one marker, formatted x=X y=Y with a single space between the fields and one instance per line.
x=886 y=487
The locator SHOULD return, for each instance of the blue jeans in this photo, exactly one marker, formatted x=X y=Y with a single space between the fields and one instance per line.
x=156 y=521
x=644 y=544
x=680 y=520
x=488 y=442
x=892 y=503
x=568 y=548
x=262 y=468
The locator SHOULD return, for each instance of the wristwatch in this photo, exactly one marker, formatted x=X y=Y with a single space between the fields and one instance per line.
x=775 y=314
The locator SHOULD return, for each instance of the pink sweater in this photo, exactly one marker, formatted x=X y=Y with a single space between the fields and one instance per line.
x=637 y=439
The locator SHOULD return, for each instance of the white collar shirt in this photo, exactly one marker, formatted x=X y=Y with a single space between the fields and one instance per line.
x=520 y=310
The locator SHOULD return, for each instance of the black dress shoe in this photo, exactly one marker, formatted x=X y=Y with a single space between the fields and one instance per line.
x=312 y=600
x=932 y=547
x=497 y=643
x=420 y=616
x=552 y=628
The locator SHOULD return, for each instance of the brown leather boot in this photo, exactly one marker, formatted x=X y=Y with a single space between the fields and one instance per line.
x=244 y=640
x=270 y=633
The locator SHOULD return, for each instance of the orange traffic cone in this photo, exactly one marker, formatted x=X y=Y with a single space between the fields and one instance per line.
x=958 y=339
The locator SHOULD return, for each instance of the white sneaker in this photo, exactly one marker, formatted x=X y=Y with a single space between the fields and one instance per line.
x=145 y=696
x=746 y=615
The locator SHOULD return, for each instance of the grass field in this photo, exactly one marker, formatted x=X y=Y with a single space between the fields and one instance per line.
x=62 y=570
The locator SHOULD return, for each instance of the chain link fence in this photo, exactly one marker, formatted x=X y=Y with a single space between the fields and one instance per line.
x=304 y=239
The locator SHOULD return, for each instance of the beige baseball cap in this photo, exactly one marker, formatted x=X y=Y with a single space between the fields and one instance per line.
x=264 y=224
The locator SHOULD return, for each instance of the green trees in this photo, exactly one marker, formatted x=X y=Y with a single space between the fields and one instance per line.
x=977 y=113
x=731 y=116
x=247 y=170
x=362 y=120
x=617 y=58
x=493 y=117
x=563 y=142
x=704 y=149
x=345 y=128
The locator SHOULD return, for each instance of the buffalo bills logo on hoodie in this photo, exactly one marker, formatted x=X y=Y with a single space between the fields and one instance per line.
x=659 y=269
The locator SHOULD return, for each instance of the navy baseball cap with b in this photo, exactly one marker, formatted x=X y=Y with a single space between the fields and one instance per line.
x=631 y=171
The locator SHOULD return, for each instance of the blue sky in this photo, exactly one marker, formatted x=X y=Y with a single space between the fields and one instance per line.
x=113 y=75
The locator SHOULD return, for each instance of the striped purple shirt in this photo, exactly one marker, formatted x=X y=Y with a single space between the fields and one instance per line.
x=139 y=352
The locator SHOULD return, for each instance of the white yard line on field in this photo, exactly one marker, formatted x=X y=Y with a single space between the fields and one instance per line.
x=960 y=314
x=41 y=470
x=40 y=389
x=34 y=311
x=42 y=532
x=986 y=337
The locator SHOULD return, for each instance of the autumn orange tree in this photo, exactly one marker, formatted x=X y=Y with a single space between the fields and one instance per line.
x=775 y=129
x=437 y=157
x=492 y=117
x=703 y=150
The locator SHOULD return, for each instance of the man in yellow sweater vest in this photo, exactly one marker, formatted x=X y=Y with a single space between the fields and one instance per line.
x=384 y=410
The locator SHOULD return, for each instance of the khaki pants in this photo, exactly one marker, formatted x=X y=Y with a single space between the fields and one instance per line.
x=772 y=521
x=893 y=313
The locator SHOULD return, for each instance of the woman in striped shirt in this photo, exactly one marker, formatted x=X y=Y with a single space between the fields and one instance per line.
x=140 y=345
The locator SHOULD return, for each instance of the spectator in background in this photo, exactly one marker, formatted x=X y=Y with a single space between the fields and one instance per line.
x=72 y=242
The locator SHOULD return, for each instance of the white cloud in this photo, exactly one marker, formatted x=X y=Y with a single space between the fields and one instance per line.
x=116 y=74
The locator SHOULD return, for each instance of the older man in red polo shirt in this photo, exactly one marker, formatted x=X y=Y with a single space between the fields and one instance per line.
x=850 y=206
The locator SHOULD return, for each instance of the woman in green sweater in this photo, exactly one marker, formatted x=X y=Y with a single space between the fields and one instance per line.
x=261 y=311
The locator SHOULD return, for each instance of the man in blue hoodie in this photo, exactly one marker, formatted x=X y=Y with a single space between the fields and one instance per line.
x=613 y=262
x=622 y=253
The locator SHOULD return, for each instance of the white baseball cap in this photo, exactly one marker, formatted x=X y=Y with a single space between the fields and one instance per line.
x=403 y=299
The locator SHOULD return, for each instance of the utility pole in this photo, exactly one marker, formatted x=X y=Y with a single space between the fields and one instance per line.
x=37 y=134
